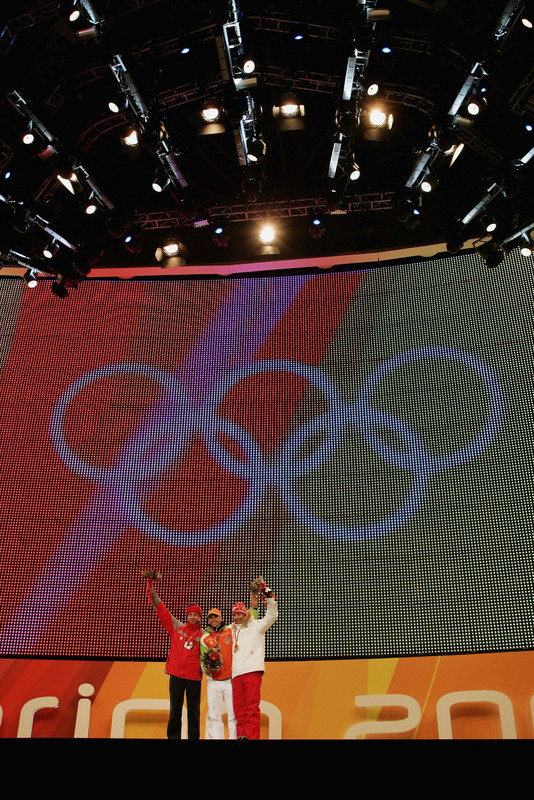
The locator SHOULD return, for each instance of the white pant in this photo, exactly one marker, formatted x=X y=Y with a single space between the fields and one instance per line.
x=217 y=692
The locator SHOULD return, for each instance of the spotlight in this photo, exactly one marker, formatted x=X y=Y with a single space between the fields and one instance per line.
x=429 y=183
x=346 y=118
x=378 y=118
x=59 y=288
x=267 y=239
x=91 y=207
x=289 y=114
x=30 y=279
x=488 y=223
x=221 y=237
x=246 y=64
x=130 y=137
x=316 y=227
x=455 y=242
x=476 y=103
x=210 y=117
x=211 y=110
x=526 y=246
x=51 y=249
x=133 y=241
x=267 y=234
x=172 y=253
x=68 y=178
x=256 y=150
x=354 y=172
x=492 y=253
x=372 y=89
x=378 y=122
x=160 y=183
x=28 y=137
x=118 y=106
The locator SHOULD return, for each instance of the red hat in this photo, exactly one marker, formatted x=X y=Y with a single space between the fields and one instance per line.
x=193 y=609
x=239 y=608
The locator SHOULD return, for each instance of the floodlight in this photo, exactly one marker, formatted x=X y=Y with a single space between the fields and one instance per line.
x=211 y=110
x=267 y=234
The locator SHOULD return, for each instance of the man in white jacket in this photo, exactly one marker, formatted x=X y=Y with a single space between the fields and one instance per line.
x=248 y=663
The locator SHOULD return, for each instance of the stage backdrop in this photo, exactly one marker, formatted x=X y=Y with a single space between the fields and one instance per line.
x=361 y=439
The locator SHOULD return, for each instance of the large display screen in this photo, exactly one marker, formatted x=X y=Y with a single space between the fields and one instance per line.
x=360 y=439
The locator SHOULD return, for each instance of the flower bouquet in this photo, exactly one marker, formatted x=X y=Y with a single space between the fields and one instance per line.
x=212 y=659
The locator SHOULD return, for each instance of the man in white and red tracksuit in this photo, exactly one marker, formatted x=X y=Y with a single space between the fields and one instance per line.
x=248 y=663
x=219 y=681
x=183 y=667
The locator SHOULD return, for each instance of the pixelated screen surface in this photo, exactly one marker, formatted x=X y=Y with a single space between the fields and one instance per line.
x=360 y=439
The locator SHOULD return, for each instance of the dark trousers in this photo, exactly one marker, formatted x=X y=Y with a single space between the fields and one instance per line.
x=178 y=688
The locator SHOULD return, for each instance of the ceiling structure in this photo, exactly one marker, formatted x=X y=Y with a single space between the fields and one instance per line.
x=164 y=61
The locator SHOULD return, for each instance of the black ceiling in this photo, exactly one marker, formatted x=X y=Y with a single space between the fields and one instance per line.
x=66 y=83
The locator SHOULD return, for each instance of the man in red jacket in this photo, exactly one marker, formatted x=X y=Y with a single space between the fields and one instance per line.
x=183 y=667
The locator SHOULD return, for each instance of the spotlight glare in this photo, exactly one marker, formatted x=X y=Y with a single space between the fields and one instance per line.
x=355 y=172
x=131 y=139
x=171 y=248
x=267 y=234
x=210 y=111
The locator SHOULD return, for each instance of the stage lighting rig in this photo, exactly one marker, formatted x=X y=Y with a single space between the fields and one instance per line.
x=242 y=67
x=83 y=19
x=34 y=124
x=289 y=115
x=350 y=108
x=152 y=133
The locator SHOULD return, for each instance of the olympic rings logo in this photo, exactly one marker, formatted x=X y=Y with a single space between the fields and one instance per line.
x=166 y=436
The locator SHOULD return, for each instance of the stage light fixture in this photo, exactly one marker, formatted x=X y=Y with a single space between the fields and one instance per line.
x=30 y=279
x=28 y=137
x=267 y=234
x=130 y=137
x=256 y=150
x=289 y=115
x=172 y=253
x=68 y=178
x=59 y=289
x=492 y=253
x=51 y=249
x=372 y=89
x=246 y=64
x=354 y=172
x=118 y=105
x=379 y=118
x=346 y=118
x=377 y=121
x=221 y=237
x=161 y=182
x=91 y=207
x=488 y=223
x=429 y=183
x=211 y=110
x=132 y=241
x=316 y=227
x=526 y=246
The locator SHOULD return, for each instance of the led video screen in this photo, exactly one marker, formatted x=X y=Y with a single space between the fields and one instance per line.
x=360 y=439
